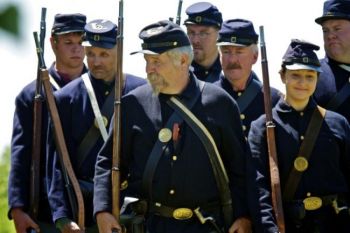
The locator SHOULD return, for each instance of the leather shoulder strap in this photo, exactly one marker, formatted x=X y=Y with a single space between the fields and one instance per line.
x=301 y=161
x=159 y=146
x=249 y=94
x=340 y=97
x=218 y=167
x=94 y=133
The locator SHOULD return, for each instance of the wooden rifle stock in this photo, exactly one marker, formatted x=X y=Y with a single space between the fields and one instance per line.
x=59 y=136
x=116 y=120
x=36 y=139
x=178 y=15
x=276 y=194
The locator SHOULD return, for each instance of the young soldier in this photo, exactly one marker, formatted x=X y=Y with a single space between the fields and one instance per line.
x=313 y=152
x=66 y=39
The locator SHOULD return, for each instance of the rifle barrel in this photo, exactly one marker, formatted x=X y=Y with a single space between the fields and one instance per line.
x=36 y=138
x=271 y=142
x=116 y=123
x=59 y=136
x=178 y=15
x=39 y=51
x=42 y=28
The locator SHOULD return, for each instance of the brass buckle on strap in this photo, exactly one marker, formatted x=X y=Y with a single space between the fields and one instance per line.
x=182 y=213
x=312 y=203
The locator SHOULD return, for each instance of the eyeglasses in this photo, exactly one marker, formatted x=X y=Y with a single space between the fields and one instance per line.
x=201 y=35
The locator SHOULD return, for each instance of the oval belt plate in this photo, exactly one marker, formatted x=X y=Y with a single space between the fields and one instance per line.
x=312 y=203
x=182 y=213
x=300 y=164
x=164 y=135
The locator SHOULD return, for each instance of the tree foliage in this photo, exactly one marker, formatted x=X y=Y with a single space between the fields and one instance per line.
x=9 y=19
x=6 y=226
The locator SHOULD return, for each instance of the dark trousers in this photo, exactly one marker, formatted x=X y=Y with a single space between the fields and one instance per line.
x=158 y=224
x=323 y=220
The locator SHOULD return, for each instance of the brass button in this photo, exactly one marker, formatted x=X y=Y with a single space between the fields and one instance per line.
x=301 y=137
x=244 y=127
x=242 y=116
x=206 y=72
x=239 y=93
x=172 y=191
x=174 y=157
x=107 y=92
x=301 y=113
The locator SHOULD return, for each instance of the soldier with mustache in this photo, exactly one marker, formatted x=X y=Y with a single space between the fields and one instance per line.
x=238 y=50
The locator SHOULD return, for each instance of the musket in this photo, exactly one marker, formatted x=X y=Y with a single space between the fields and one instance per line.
x=178 y=15
x=276 y=194
x=67 y=168
x=36 y=139
x=117 y=115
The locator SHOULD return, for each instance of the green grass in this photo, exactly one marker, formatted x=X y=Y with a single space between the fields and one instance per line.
x=6 y=226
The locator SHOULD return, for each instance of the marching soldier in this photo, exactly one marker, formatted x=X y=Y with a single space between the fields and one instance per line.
x=66 y=39
x=85 y=108
x=178 y=181
x=313 y=152
x=203 y=23
x=239 y=51
x=333 y=88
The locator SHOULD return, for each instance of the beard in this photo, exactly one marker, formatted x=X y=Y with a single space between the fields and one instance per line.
x=157 y=82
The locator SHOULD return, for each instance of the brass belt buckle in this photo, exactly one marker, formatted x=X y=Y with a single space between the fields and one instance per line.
x=312 y=203
x=182 y=213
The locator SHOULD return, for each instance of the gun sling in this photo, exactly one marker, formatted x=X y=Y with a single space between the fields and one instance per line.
x=340 y=97
x=214 y=156
x=159 y=147
x=94 y=133
x=304 y=153
x=249 y=94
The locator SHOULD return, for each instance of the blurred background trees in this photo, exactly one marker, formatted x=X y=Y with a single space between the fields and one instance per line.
x=9 y=22
x=9 y=19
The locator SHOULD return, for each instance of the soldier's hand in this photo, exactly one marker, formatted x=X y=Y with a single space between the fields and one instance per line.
x=241 y=225
x=106 y=223
x=71 y=227
x=22 y=221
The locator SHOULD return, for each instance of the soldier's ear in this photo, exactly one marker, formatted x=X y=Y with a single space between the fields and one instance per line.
x=283 y=76
x=184 y=60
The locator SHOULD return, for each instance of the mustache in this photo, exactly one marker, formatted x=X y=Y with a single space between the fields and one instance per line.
x=233 y=66
x=98 y=67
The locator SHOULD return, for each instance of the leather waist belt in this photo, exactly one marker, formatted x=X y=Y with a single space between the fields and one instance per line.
x=181 y=213
x=314 y=202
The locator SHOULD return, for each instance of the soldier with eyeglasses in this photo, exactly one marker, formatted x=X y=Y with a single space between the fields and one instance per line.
x=203 y=24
